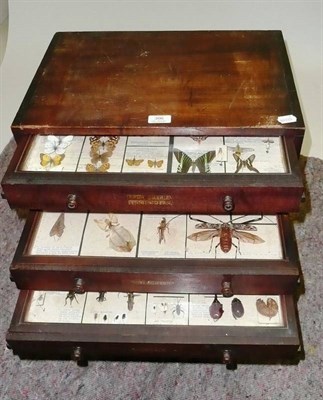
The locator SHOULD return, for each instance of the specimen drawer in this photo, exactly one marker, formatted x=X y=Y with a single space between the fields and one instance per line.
x=255 y=174
x=162 y=327
x=252 y=254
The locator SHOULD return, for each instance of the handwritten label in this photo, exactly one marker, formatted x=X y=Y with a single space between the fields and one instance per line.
x=287 y=119
x=159 y=119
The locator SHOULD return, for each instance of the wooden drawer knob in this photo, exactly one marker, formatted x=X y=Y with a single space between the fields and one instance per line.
x=228 y=204
x=79 y=286
x=226 y=289
x=71 y=201
x=78 y=356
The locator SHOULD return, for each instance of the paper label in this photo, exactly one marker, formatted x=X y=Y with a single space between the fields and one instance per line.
x=159 y=119
x=286 y=119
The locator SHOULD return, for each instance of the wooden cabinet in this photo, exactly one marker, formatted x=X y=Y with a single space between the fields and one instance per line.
x=158 y=164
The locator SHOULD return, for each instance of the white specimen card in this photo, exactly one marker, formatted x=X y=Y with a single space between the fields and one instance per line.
x=120 y=308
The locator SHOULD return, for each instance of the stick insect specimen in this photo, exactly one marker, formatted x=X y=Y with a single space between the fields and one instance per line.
x=226 y=231
x=162 y=227
x=202 y=163
x=120 y=239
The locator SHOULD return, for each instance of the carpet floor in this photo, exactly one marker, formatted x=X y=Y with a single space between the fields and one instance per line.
x=174 y=381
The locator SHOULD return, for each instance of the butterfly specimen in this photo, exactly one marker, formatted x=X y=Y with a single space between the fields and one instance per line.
x=245 y=163
x=97 y=143
x=132 y=162
x=102 y=168
x=58 y=227
x=56 y=144
x=51 y=161
x=155 y=164
x=202 y=162
x=268 y=309
x=199 y=139
x=120 y=239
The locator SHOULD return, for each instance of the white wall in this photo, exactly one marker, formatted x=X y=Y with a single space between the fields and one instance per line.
x=3 y=10
x=33 y=23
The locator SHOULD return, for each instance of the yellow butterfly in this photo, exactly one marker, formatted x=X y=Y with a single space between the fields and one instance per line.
x=51 y=161
x=133 y=162
x=102 y=168
x=155 y=164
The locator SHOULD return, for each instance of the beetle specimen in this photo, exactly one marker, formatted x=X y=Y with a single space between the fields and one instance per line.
x=202 y=162
x=120 y=239
x=130 y=301
x=216 y=309
x=178 y=309
x=237 y=308
x=71 y=295
x=245 y=163
x=269 y=309
x=162 y=227
x=226 y=231
x=101 y=297
x=58 y=227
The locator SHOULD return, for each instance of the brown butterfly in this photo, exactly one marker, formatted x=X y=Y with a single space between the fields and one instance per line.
x=133 y=162
x=58 y=227
x=103 y=157
x=102 y=168
x=155 y=164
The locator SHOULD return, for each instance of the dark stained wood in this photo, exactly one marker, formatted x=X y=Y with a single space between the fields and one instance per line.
x=157 y=275
x=155 y=343
x=170 y=193
x=210 y=82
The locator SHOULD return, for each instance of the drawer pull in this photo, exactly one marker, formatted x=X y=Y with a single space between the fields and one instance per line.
x=227 y=360
x=226 y=289
x=78 y=356
x=71 y=201
x=79 y=286
x=228 y=204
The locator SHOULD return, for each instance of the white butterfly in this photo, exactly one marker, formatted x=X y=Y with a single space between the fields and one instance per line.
x=57 y=144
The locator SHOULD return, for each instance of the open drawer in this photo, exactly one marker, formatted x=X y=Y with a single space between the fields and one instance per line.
x=173 y=174
x=154 y=326
x=181 y=253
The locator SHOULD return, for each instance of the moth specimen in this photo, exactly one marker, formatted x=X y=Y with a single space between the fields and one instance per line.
x=226 y=231
x=202 y=163
x=155 y=163
x=216 y=309
x=133 y=162
x=58 y=227
x=120 y=238
x=237 y=308
x=268 y=309
x=245 y=163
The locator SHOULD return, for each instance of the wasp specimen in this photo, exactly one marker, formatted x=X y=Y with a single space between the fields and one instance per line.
x=120 y=239
x=71 y=295
x=162 y=228
x=226 y=231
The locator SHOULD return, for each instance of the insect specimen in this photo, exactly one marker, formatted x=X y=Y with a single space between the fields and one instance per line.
x=99 y=144
x=58 y=227
x=186 y=162
x=40 y=301
x=132 y=162
x=120 y=239
x=202 y=163
x=71 y=295
x=245 y=163
x=56 y=144
x=162 y=227
x=268 y=142
x=238 y=150
x=102 y=168
x=51 y=161
x=237 y=308
x=155 y=164
x=164 y=307
x=226 y=231
x=216 y=309
x=268 y=309
x=118 y=319
x=178 y=310
x=199 y=139
x=101 y=297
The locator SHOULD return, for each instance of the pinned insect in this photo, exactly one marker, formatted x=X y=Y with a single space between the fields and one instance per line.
x=237 y=308
x=56 y=144
x=155 y=164
x=101 y=297
x=51 y=161
x=58 y=227
x=178 y=310
x=245 y=163
x=216 y=309
x=99 y=144
x=199 y=139
x=71 y=295
x=202 y=163
x=101 y=168
x=120 y=239
x=268 y=309
x=162 y=227
x=130 y=301
x=226 y=231
x=268 y=142
x=133 y=162
x=238 y=150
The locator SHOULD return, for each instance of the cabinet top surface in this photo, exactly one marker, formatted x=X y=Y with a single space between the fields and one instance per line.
x=198 y=81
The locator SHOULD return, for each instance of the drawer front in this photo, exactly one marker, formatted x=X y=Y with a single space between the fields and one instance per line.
x=150 y=252
x=156 y=174
x=242 y=342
